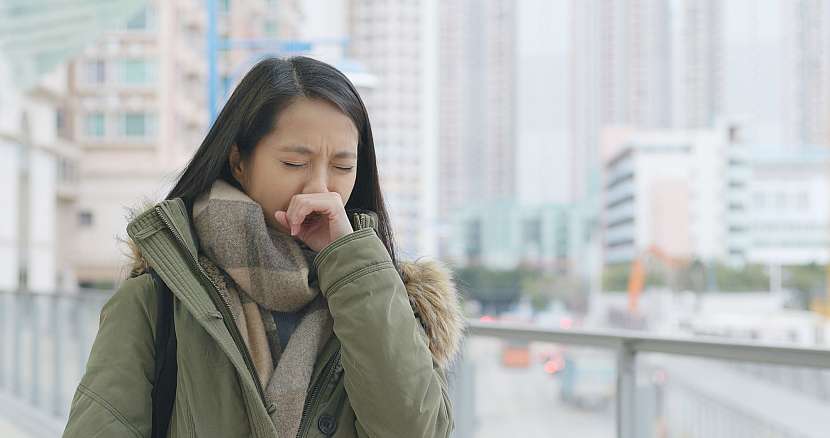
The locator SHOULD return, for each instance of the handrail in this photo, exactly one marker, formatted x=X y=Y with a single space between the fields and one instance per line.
x=639 y=342
x=628 y=344
x=75 y=293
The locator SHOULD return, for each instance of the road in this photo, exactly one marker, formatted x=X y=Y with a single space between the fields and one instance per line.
x=525 y=402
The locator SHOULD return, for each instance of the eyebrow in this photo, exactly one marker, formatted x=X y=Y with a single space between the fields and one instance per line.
x=302 y=149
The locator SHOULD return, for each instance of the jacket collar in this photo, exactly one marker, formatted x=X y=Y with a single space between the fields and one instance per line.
x=176 y=211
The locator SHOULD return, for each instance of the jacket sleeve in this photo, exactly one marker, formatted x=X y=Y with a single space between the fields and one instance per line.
x=113 y=398
x=391 y=380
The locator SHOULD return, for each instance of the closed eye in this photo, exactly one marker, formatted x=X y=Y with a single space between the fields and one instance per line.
x=293 y=164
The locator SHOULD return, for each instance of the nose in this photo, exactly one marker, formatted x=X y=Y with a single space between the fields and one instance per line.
x=317 y=181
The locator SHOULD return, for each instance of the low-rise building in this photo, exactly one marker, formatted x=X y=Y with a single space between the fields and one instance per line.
x=684 y=193
x=507 y=235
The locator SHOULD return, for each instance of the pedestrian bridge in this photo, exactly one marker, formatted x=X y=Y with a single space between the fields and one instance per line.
x=574 y=383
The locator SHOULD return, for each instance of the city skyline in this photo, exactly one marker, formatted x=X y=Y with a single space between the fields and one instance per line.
x=470 y=105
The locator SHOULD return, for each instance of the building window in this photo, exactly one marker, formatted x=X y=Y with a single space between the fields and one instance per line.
x=60 y=120
x=23 y=277
x=271 y=28
x=760 y=200
x=803 y=200
x=533 y=231
x=67 y=170
x=135 y=125
x=85 y=218
x=96 y=72
x=473 y=240
x=139 y=21
x=136 y=71
x=61 y=125
x=781 y=200
x=95 y=125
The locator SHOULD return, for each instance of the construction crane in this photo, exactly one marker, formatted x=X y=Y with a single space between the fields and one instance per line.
x=637 y=276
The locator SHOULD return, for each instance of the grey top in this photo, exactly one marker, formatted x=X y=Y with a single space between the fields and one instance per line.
x=286 y=324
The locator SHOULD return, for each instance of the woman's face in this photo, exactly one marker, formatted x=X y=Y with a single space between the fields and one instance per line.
x=313 y=149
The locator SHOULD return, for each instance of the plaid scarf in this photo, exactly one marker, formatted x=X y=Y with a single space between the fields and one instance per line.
x=258 y=270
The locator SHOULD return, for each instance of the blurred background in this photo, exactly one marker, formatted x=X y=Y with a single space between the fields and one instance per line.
x=634 y=194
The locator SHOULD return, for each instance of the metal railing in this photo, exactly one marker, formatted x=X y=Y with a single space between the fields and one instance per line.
x=45 y=340
x=629 y=344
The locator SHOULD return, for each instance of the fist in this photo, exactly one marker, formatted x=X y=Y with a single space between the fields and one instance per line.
x=317 y=219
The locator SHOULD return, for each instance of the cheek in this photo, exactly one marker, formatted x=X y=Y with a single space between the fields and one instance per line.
x=276 y=196
x=345 y=188
x=272 y=201
x=271 y=189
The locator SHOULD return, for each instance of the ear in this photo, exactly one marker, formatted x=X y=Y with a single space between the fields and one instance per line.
x=237 y=165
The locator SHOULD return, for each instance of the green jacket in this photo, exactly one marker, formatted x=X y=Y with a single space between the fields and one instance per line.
x=381 y=375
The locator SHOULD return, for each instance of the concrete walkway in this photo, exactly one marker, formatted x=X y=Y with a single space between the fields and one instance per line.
x=8 y=430
x=19 y=420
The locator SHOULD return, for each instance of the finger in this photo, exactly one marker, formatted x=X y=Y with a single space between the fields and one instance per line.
x=291 y=217
x=306 y=207
x=281 y=218
x=290 y=208
x=299 y=207
x=321 y=204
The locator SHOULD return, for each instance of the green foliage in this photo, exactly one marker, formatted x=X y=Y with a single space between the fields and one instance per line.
x=489 y=285
x=615 y=277
x=809 y=282
x=694 y=276
x=740 y=279
x=503 y=288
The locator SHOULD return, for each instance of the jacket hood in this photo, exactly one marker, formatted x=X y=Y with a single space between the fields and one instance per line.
x=432 y=294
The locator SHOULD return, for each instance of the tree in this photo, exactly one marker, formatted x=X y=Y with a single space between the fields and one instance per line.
x=544 y=287
x=808 y=280
x=615 y=277
x=741 y=279
x=497 y=289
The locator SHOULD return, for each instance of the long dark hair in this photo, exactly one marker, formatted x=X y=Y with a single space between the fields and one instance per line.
x=251 y=113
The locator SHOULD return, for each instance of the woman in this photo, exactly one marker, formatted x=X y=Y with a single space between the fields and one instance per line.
x=290 y=313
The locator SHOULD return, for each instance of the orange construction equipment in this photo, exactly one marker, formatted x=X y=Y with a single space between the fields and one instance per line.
x=636 y=283
x=822 y=307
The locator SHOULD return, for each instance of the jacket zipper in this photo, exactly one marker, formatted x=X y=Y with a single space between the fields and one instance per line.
x=315 y=392
x=225 y=309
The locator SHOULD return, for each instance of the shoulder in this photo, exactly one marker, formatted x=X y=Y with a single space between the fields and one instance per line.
x=136 y=297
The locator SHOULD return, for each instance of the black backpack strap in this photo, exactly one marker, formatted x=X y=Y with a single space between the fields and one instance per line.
x=164 y=384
